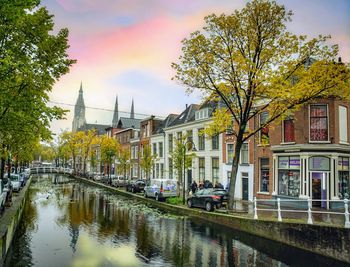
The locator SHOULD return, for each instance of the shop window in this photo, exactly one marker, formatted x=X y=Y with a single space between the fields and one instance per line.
x=343 y=168
x=264 y=132
x=264 y=174
x=318 y=123
x=288 y=130
x=289 y=176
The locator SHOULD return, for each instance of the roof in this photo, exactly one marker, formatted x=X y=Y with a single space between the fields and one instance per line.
x=165 y=123
x=101 y=128
x=128 y=123
x=186 y=116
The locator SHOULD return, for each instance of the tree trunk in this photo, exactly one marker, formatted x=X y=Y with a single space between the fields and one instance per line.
x=234 y=172
x=2 y=169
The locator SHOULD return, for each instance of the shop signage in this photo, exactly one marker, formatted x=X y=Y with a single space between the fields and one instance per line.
x=289 y=163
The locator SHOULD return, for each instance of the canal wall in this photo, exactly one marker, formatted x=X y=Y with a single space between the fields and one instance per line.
x=11 y=219
x=330 y=241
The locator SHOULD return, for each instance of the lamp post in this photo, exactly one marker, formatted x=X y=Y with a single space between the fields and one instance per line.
x=184 y=163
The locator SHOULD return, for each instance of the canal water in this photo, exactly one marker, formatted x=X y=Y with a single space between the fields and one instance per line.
x=67 y=223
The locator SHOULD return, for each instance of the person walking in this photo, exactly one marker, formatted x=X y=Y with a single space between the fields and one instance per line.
x=194 y=187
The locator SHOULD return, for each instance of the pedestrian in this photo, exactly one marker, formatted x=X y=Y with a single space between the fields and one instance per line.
x=194 y=187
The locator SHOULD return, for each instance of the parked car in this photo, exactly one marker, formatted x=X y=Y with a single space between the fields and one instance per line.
x=160 y=188
x=16 y=183
x=208 y=198
x=135 y=186
x=97 y=177
x=118 y=181
x=3 y=194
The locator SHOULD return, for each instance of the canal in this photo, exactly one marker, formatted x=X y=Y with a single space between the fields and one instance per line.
x=68 y=223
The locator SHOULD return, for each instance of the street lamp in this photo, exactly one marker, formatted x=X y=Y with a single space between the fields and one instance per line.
x=193 y=148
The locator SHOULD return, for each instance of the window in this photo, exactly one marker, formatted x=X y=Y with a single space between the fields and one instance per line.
x=161 y=170
x=264 y=174
x=343 y=124
x=244 y=154
x=136 y=152
x=215 y=169
x=154 y=149
x=230 y=151
x=170 y=169
x=264 y=132
x=288 y=130
x=343 y=182
x=289 y=176
x=179 y=136
x=157 y=170
x=201 y=167
x=190 y=139
x=170 y=140
x=154 y=171
x=201 y=139
x=160 y=149
x=132 y=152
x=318 y=123
x=215 y=142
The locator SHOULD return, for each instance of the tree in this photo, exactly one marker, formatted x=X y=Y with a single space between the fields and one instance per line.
x=32 y=59
x=146 y=160
x=123 y=156
x=71 y=146
x=88 y=139
x=252 y=64
x=109 y=149
x=178 y=155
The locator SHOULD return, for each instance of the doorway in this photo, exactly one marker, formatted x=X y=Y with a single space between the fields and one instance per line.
x=244 y=188
x=319 y=191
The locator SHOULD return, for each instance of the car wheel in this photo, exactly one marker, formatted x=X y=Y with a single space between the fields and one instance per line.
x=189 y=203
x=208 y=206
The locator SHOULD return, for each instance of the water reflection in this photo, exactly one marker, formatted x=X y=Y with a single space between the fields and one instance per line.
x=71 y=224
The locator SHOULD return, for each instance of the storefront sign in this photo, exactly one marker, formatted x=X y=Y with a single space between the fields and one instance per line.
x=319 y=164
x=294 y=163
x=289 y=163
x=283 y=162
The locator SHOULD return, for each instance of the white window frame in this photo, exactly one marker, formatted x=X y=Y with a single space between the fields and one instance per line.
x=319 y=142
x=240 y=154
x=343 y=123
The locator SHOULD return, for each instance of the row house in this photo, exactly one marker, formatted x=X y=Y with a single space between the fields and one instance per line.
x=306 y=155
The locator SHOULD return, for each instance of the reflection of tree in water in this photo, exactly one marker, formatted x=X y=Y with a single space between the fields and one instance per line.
x=144 y=237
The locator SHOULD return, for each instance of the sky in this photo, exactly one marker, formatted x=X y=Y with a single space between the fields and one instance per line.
x=126 y=47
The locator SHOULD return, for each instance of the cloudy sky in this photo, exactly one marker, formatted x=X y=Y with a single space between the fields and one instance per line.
x=126 y=47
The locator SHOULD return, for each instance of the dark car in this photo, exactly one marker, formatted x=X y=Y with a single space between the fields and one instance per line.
x=208 y=198
x=135 y=186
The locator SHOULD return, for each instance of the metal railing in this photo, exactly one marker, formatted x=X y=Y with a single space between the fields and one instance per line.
x=309 y=209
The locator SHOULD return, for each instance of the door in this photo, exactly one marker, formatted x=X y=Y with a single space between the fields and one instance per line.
x=245 y=188
x=319 y=192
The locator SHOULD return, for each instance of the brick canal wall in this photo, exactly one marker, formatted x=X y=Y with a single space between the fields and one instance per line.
x=330 y=241
x=10 y=221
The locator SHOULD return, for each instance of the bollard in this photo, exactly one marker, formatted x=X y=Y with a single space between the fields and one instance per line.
x=309 y=213
x=279 y=209
x=255 y=209
x=346 y=212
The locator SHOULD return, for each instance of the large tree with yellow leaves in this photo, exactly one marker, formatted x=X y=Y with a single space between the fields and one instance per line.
x=250 y=62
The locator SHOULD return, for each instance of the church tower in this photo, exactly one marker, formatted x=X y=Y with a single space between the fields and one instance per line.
x=115 y=114
x=132 y=113
x=79 y=111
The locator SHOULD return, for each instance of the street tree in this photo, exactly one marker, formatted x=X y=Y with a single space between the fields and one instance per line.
x=109 y=150
x=32 y=59
x=181 y=160
x=250 y=62
x=123 y=157
x=146 y=160
x=88 y=140
x=70 y=145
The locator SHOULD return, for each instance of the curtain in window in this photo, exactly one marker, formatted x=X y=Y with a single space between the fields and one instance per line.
x=289 y=130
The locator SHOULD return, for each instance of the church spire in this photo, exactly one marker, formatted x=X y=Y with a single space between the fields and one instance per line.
x=79 y=111
x=132 y=114
x=116 y=113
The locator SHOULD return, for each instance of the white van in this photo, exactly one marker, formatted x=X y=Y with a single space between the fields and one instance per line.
x=160 y=188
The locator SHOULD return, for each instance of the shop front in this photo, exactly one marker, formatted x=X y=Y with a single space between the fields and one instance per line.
x=318 y=176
